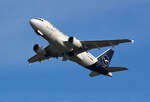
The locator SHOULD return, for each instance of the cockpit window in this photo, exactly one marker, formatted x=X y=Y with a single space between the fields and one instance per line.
x=40 y=19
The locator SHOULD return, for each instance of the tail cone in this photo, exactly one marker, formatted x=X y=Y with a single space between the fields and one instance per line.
x=109 y=74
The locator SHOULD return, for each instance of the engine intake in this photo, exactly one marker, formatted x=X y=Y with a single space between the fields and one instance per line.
x=70 y=40
x=75 y=43
x=39 y=50
x=35 y=47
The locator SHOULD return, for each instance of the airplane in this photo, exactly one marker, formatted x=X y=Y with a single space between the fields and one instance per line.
x=70 y=48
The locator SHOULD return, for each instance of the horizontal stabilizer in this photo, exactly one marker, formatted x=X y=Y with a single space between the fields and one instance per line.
x=93 y=74
x=116 y=69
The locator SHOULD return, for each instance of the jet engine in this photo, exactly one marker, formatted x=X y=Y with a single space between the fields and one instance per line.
x=39 y=50
x=75 y=43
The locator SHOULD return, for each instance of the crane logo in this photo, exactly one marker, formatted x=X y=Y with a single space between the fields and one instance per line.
x=105 y=60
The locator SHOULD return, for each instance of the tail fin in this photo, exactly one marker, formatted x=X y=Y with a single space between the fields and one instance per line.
x=106 y=57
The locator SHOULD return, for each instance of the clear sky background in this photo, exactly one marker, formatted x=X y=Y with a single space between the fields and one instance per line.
x=58 y=81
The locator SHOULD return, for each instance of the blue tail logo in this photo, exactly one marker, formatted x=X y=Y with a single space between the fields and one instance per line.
x=106 y=57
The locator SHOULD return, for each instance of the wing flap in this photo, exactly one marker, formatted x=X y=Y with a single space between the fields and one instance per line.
x=116 y=69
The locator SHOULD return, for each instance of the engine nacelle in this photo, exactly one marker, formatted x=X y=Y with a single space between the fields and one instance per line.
x=39 y=50
x=75 y=43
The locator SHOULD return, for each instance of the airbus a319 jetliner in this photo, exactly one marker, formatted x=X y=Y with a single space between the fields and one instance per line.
x=70 y=48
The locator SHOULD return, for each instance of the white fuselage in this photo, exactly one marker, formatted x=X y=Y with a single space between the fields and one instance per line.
x=57 y=39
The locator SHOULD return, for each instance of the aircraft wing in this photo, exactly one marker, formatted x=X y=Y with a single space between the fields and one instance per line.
x=37 y=58
x=103 y=43
x=51 y=52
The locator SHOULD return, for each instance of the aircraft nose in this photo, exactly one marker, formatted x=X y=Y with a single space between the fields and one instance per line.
x=33 y=23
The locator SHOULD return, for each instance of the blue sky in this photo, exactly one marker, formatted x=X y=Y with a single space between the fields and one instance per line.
x=58 y=81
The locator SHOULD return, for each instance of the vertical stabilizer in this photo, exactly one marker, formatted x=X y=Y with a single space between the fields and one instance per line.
x=106 y=57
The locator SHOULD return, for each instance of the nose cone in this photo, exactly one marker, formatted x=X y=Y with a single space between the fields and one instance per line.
x=33 y=23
